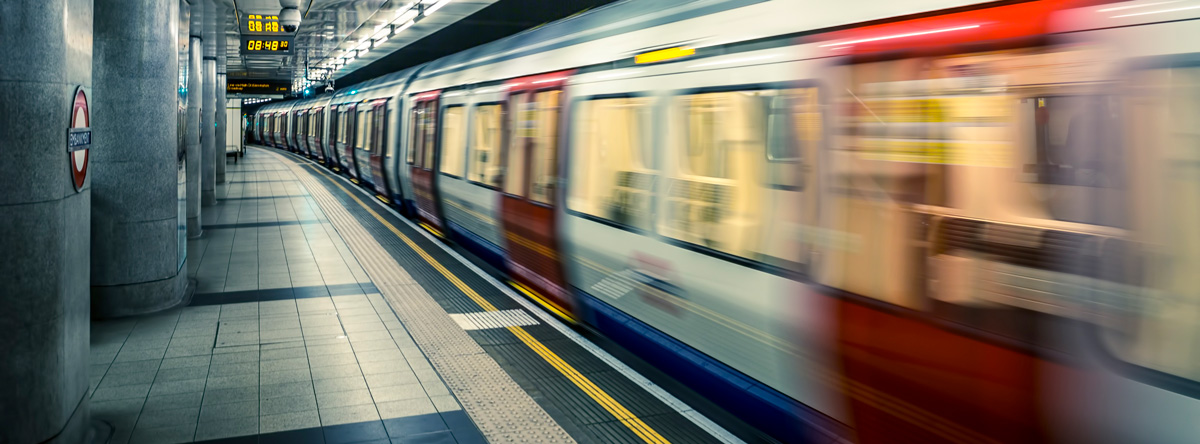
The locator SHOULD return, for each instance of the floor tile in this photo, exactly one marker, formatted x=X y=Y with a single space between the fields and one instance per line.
x=355 y=432
x=289 y=421
x=348 y=414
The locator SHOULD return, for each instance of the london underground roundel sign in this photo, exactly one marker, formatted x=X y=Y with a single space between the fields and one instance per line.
x=79 y=138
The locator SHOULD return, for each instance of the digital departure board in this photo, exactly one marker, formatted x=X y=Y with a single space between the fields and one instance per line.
x=245 y=86
x=259 y=24
x=281 y=45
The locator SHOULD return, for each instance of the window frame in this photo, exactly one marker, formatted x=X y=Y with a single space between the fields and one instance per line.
x=655 y=107
x=465 y=139
x=501 y=149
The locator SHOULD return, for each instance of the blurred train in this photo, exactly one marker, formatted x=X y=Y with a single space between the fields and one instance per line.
x=928 y=221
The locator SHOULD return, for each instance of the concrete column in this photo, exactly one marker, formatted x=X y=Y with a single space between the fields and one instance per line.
x=219 y=95
x=46 y=234
x=208 y=137
x=135 y=212
x=195 y=91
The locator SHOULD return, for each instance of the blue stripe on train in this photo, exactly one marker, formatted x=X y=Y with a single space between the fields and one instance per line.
x=477 y=245
x=755 y=403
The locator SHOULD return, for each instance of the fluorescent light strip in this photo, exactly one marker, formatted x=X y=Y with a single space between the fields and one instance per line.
x=1119 y=8
x=556 y=79
x=435 y=7
x=899 y=36
x=1161 y=11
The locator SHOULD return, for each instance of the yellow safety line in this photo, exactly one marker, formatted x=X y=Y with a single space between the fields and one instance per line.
x=597 y=394
x=545 y=303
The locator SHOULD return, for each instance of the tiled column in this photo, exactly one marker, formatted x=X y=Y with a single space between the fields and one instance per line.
x=135 y=200
x=46 y=54
x=208 y=137
x=219 y=95
x=195 y=91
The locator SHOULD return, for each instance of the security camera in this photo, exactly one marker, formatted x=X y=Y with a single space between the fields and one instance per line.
x=328 y=88
x=289 y=19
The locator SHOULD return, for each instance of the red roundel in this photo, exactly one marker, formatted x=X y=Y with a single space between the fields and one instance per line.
x=79 y=138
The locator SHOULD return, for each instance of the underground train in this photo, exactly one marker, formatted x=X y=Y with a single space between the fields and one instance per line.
x=890 y=222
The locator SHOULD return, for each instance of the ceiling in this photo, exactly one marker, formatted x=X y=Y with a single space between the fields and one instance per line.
x=332 y=31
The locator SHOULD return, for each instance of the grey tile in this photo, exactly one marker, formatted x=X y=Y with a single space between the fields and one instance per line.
x=286 y=389
x=117 y=407
x=335 y=371
x=298 y=343
x=380 y=344
x=391 y=379
x=398 y=392
x=134 y=366
x=223 y=396
x=181 y=373
x=288 y=421
x=405 y=408
x=179 y=401
x=235 y=358
x=276 y=335
x=165 y=418
x=368 y=317
x=227 y=428
x=332 y=360
x=435 y=388
x=122 y=392
x=161 y=388
x=240 y=368
x=341 y=399
x=349 y=414
x=445 y=403
x=191 y=350
x=287 y=404
x=339 y=384
x=371 y=368
x=131 y=378
x=224 y=382
x=241 y=409
x=284 y=364
x=356 y=338
x=282 y=376
x=234 y=349
x=380 y=355
x=163 y=435
x=184 y=362
x=285 y=353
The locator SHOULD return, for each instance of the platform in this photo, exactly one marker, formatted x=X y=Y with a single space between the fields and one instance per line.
x=322 y=316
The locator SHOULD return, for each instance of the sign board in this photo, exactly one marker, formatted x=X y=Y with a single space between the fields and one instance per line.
x=262 y=24
x=79 y=138
x=235 y=86
x=266 y=45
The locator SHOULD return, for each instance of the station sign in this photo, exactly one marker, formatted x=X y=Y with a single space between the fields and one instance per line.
x=262 y=24
x=79 y=138
x=266 y=45
x=235 y=86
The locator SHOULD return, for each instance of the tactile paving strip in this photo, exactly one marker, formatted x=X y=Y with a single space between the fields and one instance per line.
x=493 y=319
x=501 y=409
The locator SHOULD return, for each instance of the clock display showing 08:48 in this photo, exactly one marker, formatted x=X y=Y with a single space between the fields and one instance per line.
x=266 y=45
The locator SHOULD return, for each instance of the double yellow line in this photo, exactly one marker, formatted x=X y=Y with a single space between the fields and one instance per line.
x=612 y=406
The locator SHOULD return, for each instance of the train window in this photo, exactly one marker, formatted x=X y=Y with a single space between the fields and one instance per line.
x=613 y=175
x=359 y=123
x=485 y=145
x=522 y=125
x=368 y=125
x=343 y=131
x=429 y=133
x=545 y=147
x=714 y=198
x=1156 y=323
x=414 y=127
x=454 y=143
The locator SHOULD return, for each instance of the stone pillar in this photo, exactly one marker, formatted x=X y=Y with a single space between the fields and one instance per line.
x=219 y=95
x=208 y=137
x=195 y=91
x=46 y=237
x=135 y=212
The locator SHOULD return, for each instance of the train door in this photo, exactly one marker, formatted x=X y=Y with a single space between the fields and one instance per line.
x=345 y=139
x=378 y=146
x=301 y=132
x=423 y=158
x=529 y=191
x=294 y=132
x=318 y=133
x=362 y=143
x=335 y=136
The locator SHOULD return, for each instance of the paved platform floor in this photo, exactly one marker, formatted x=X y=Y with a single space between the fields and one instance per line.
x=285 y=337
x=320 y=317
